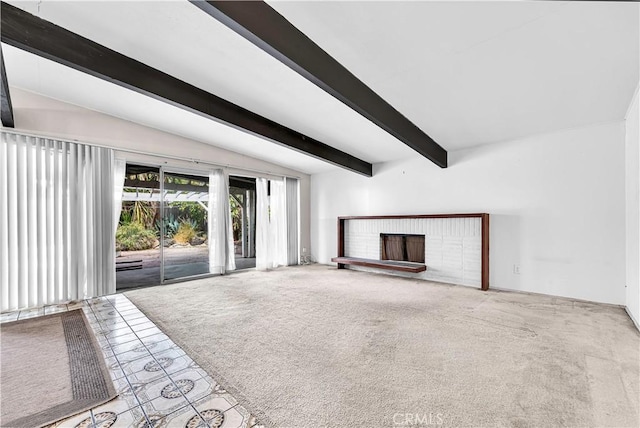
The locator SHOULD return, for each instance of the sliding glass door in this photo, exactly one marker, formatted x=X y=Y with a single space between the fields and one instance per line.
x=162 y=233
x=185 y=199
x=138 y=252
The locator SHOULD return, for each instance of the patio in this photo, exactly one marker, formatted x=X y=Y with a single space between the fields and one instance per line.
x=179 y=262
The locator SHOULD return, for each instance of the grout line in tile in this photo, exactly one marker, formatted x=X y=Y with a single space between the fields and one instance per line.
x=137 y=321
x=93 y=418
x=126 y=378
x=193 y=406
x=153 y=355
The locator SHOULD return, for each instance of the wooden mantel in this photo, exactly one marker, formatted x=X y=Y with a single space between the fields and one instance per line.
x=405 y=266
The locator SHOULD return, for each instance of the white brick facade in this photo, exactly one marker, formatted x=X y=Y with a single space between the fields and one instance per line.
x=453 y=246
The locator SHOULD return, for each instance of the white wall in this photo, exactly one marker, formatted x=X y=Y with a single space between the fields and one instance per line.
x=41 y=115
x=557 y=205
x=632 y=180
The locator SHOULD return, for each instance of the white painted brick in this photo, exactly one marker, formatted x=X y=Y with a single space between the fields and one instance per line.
x=453 y=246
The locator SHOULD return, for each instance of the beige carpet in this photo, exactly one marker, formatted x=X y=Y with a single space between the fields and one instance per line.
x=317 y=347
x=50 y=369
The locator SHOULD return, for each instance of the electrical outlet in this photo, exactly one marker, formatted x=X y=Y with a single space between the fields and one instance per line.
x=516 y=269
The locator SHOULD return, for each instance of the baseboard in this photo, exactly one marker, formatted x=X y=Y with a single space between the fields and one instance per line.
x=574 y=299
x=635 y=321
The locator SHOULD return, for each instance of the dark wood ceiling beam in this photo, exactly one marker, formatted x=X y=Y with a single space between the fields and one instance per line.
x=263 y=26
x=6 y=108
x=40 y=37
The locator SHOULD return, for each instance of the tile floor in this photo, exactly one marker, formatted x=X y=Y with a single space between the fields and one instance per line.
x=158 y=384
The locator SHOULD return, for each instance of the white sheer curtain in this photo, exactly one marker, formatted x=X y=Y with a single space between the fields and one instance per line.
x=271 y=231
x=262 y=225
x=278 y=223
x=293 y=254
x=119 y=171
x=56 y=221
x=220 y=234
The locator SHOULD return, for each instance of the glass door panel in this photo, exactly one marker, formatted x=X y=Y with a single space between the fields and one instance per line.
x=137 y=237
x=184 y=225
x=242 y=200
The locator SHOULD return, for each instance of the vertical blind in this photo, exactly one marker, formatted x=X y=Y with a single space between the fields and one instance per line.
x=56 y=221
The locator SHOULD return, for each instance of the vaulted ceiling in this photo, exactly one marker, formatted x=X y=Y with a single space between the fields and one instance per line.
x=466 y=73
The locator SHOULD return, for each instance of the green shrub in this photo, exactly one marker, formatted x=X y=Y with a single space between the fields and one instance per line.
x=171 y=225
x=143 y=212
x=134 y=236
x=186 y=232
x=193 y=211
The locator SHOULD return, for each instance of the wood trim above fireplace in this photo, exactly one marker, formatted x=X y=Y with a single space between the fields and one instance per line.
x=382 y=217
x=343 y=261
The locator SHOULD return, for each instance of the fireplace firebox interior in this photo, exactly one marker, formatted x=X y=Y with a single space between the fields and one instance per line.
x=402 y=247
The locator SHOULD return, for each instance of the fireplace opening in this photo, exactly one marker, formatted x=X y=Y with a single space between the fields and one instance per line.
x=402 y=247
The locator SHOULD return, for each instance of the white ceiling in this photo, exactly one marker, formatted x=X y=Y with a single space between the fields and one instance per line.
x=467 y=73
x=59 y=82
x=470 y=73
